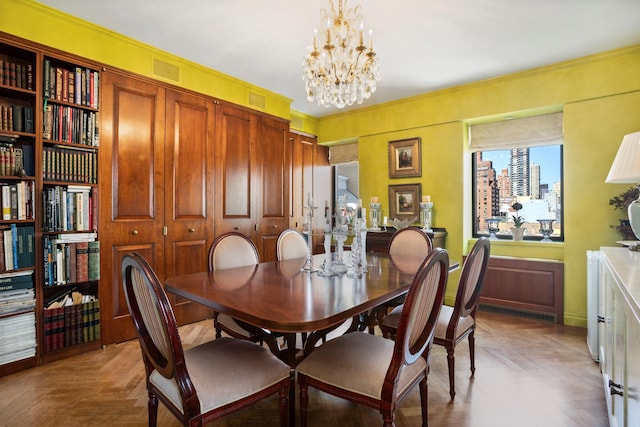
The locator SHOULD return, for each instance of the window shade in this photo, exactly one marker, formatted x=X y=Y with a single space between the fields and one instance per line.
x=517 y=133
x=343 y=153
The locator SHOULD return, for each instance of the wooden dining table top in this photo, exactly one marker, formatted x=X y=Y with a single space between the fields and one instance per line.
x=278 y=296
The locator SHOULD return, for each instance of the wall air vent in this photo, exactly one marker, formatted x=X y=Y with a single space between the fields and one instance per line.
x=257 y=100
x=166 y=70
x=297 y=122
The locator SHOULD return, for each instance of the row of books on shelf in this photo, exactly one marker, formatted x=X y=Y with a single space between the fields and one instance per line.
x=69 y=165
x=17 y=316
x=18 y=337
x=16 y=292
x=73 y=125
x=70 y=208
x=18 y=200
x=17 y=247
x=68 y=261
x=77 y=85
x=16 y=118
x=73 y=319
x=16 y=159
x=15 y=73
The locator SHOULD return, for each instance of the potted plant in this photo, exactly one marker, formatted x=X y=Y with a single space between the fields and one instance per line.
x=518 y=221
x=622 y=202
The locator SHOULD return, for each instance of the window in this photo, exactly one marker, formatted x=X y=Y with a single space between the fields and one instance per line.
x=518 y=161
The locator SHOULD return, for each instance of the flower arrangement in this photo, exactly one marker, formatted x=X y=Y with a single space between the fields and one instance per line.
x=623 y=200
x=518 y=221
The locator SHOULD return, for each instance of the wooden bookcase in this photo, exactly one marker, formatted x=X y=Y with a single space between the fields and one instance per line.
x=49 y=138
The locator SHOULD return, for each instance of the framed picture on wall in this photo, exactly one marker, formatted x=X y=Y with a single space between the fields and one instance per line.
x=404 y=158
x=404 y=201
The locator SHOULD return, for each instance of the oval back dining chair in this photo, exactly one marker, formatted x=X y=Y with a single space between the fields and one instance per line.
x=231 y=250
x=207 y=381
x=291 y=244
x=410 y=241
x=457 y=322
x=377 y=372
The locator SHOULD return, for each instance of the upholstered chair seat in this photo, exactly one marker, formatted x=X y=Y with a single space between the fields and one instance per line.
x=229 y=379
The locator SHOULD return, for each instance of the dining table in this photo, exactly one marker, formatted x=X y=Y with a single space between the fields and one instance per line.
x=282 y=298
x=278 y=296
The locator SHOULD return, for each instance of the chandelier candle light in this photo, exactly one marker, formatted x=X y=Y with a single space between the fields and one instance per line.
x=339 y=68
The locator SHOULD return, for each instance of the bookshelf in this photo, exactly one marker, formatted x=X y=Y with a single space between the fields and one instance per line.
x=18 y=141
x=49 y=246
x=69 y=223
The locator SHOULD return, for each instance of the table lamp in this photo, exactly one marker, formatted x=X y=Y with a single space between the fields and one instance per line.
x=626 y=170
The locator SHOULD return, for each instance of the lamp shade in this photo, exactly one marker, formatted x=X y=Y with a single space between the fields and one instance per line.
x=626 y=166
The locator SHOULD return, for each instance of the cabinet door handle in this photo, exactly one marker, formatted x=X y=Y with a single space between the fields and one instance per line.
x=614 y=388
x=236 y=228
x=134 y=232
x=274 y=226
x=600 y=319
x=191 y=230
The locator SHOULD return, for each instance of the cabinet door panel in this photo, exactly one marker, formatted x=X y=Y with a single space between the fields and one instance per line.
x=189 y=191
x=272 y=182
x=131 y=189
x=632 y=380
x=301 y=178
x=234 y=164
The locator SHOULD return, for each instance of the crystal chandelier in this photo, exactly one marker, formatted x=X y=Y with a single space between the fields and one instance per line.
x=339 y=69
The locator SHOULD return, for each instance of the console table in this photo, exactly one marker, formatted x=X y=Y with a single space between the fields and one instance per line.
x=378 y=241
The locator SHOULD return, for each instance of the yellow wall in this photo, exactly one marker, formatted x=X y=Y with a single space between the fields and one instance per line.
x=39 y=23
x=600 y=96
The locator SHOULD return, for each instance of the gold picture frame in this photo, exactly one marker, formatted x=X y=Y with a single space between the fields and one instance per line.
x=404 y=201
x=405 y=159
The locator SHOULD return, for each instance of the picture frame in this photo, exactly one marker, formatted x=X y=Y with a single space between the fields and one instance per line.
x=404 y=201
x=405 y=158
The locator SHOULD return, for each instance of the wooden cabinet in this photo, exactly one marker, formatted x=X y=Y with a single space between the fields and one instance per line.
x=619 y=343
x=252 y=185
x=156 y=176
x=310 y=174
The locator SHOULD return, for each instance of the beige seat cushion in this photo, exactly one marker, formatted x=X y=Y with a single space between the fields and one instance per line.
x=466 y=323
x=221 y=372
x=230 y=323
x=358 y=362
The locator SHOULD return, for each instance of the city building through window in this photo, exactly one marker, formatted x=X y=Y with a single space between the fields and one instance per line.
x=518 y=163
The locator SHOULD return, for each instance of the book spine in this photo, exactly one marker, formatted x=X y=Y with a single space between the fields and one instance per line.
x=82 y=261
x=48 y=329
x=94 y=260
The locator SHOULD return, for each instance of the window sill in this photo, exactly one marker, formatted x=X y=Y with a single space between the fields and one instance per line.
x=526 y=249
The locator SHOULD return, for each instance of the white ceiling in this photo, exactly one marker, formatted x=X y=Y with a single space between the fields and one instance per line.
x=422 y=45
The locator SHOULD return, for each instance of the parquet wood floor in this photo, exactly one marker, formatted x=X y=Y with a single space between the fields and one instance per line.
x=529 y=373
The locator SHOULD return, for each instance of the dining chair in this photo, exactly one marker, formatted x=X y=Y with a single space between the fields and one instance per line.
x=457 y=322
x=231 y=250
x=377 y=372
x=207 y=381
x=410 y=241
x=291 y=244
